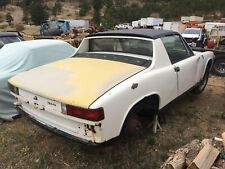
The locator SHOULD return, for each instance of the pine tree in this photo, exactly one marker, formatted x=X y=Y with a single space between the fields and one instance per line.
x=3 y=3
x=84 y=7
x=38 y=12
x=57 y=8
x=97 y=5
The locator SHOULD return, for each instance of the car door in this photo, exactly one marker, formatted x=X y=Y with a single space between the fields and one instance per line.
x=183 y=60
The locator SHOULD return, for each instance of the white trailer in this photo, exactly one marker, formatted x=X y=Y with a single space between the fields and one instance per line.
x=154 y=21
x=78 y=23
x=136 y=24
x=143 y=22
x=151 y=22
x=174 y=26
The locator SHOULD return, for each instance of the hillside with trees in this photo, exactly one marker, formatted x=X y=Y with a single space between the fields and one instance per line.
x=111 y=12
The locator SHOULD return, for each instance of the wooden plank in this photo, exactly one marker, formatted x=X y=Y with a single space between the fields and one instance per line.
x=205 y=158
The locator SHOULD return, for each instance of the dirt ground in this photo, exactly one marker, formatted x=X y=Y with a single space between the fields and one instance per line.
x=25 y=145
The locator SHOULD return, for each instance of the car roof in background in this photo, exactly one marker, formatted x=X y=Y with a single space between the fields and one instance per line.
x=145 y=33
x=7 y=34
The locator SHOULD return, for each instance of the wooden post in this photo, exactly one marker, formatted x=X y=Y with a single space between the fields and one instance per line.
x=223 y=137
x=205 y=158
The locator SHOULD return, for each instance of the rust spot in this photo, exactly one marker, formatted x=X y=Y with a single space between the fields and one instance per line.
x=85 y=130
x=99 y=125
x=90 y=128
x=93 y=129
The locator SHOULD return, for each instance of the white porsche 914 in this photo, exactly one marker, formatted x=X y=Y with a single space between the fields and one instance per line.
x=104 y=88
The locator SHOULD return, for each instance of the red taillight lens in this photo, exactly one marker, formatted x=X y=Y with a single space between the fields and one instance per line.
x=87 y=114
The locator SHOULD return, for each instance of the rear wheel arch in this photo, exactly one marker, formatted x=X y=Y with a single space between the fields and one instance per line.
x=152 y=101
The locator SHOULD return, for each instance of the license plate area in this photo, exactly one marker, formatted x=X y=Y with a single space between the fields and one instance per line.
x=40 y=103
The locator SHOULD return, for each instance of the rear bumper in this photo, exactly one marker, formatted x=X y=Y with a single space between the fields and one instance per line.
x=55 y=130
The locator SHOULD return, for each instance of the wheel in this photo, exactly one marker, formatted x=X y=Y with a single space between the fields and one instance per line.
x=133 y=125
x=202 y=84
x=219 y=67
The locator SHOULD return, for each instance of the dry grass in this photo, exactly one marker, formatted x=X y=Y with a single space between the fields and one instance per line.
x=25 y=145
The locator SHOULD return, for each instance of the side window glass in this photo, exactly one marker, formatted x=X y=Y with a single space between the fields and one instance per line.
x=175 y=48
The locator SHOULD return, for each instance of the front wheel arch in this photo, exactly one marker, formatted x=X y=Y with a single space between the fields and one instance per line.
x=200 y=86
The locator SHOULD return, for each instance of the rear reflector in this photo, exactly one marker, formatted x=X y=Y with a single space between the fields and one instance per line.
x=87 y=114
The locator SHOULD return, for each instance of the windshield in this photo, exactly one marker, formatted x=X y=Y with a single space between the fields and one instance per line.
x=192 y=31
x=121 y=45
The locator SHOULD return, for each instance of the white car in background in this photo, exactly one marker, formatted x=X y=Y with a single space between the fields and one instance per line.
x=195 y=37
x=113 y=80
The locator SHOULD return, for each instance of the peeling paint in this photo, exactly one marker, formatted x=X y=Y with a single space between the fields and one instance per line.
x=74 y=81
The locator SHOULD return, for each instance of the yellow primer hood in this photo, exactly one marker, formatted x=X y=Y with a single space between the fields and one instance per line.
x=74 y=81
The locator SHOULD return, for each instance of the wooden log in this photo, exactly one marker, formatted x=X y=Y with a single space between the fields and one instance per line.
x=177 y=161
x=205 y=158
x=223 y=137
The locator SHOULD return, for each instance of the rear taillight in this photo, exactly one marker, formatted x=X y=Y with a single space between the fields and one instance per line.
x=87 y=114
x=13 y=89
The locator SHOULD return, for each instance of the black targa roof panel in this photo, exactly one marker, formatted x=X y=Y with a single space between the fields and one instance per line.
x=146 y=33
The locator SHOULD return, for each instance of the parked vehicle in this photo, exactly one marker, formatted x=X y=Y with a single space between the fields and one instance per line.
x=22 y=56
x=124 y=26
x=136 y=24
x=78 y=23
x=113 y=80
x=218 y=67
x=54 y=28
x=173 y=26
x=195 y=37
x=9 y=37
x=150 y=22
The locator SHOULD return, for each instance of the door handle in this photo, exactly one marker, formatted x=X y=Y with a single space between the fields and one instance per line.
x=177 y=69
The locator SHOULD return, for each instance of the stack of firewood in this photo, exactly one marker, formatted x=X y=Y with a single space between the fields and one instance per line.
x=208 y=154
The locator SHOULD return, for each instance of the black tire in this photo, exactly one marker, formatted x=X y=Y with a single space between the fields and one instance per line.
x=199 y=88
x=218 y=67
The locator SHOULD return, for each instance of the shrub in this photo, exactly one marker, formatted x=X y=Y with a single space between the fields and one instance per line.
x=19 y=27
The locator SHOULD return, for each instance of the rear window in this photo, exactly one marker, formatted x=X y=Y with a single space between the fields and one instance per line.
x=121 y=45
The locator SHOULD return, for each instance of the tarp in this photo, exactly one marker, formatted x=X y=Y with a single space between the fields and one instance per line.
x=21 y=56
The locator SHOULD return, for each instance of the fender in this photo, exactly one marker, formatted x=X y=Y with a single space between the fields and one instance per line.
x=135 y=103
